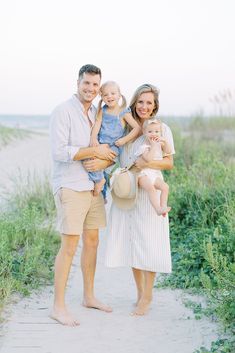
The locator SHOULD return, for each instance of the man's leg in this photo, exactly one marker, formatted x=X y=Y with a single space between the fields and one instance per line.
x=62 y=268
x=88 y=265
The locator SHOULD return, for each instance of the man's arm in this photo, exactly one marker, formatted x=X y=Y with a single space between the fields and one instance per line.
x=93 y=165
x=62 y=151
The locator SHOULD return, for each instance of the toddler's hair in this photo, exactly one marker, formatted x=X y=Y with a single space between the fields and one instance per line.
x=111 y=83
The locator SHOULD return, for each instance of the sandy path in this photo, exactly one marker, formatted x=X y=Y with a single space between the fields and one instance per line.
x=169 y=327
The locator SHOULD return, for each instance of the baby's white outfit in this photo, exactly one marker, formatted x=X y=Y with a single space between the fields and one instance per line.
x=151 y=173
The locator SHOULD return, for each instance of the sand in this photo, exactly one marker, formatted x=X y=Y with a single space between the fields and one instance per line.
x=169 y=327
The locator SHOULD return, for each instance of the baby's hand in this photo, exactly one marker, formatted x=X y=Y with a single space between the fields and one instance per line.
x=161 y=140
x=120 y=142
x=94 y=142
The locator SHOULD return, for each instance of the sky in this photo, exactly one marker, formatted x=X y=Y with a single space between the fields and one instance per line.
x=184 y=47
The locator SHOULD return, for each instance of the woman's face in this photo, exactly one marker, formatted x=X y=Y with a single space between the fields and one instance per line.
x=145 y=105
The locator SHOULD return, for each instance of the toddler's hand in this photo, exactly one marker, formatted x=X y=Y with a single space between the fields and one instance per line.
x=120 y=142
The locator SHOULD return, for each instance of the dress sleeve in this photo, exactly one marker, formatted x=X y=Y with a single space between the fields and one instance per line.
x=167 y=134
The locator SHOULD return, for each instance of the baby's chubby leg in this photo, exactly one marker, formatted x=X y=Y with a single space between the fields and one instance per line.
x=146 y=184
x=161 y=185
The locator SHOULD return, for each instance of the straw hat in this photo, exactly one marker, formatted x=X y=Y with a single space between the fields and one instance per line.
x=124 y=188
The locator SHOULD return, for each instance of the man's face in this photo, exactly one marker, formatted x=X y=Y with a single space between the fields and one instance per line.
x=88 y=87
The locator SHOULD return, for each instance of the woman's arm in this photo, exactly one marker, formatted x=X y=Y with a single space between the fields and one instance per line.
x=166 y=163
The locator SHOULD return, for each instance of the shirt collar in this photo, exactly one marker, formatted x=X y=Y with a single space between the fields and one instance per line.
x=80 y=105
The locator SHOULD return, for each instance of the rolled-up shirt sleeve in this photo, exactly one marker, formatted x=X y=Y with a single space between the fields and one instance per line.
x=60 y=126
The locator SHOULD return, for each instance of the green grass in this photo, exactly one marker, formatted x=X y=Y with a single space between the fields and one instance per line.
x=202 y=219
x=8 y=134
x=28 y=241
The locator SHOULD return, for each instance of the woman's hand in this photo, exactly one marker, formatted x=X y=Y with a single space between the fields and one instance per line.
x=140 y=163
x=93 y=165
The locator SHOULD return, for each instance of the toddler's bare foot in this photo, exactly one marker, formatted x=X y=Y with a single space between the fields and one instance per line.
x=142 y=307
x=98 y=187
x=96 y=304
x=62 y=316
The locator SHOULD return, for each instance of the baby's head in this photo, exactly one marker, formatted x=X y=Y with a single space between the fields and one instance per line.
x=152 y=128
x=110 y=94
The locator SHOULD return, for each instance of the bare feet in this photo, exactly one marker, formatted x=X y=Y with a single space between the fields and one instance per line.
x=142 y=307
x=62 y=316
x=96 y=304
x=98 y=187
x=162 y=211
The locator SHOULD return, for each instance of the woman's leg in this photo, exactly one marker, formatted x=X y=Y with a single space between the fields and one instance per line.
x=139 y=281
x=146 y=298
x=146 y=184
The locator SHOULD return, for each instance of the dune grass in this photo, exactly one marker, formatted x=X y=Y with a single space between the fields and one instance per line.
x=28 y=241
x=8 y=134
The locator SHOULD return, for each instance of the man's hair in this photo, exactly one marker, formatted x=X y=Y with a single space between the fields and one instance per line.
x=89 y=69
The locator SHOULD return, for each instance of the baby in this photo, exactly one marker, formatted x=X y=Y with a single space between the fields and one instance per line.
x=152 y=179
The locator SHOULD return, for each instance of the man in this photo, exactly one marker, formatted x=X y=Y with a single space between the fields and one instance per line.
x=79 y=211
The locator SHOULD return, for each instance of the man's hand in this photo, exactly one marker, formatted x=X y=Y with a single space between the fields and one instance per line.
x=104 y=152
x=93 y=165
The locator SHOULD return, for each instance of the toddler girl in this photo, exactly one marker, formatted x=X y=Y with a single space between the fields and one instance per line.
x=110 y=126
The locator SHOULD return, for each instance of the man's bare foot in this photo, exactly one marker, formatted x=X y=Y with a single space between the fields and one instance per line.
x=63 y=317
x=98 y=187
x=141 y=308
x=96 y=304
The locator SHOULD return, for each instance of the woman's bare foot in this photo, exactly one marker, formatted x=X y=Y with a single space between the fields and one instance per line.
x=62 y=316
x=142 y=307
x=96 y=304
x=98 y=187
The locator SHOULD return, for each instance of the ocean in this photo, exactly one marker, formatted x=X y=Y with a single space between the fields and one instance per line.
x=29 y=122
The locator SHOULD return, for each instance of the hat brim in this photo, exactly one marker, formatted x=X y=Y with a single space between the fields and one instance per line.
x=124 y=203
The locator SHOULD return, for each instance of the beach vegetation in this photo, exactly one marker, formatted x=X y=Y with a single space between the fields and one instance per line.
x=28 y=241
x=202 y=219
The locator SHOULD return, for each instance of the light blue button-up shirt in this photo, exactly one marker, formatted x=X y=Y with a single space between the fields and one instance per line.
x=69 y=131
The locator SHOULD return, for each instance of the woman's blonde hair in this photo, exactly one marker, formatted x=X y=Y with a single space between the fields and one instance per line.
x=111 y=83
x=145 y=88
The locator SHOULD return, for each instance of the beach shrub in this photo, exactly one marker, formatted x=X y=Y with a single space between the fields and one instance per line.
x=202 y=219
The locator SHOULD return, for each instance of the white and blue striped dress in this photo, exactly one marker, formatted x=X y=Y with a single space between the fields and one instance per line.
x=138 y=237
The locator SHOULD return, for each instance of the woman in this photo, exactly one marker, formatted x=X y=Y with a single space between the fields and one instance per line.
x=138 y=238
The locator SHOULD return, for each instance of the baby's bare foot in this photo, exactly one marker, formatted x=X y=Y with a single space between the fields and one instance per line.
x=98 y=187
x=96 y=304
x=62 y=316
x=165 y=211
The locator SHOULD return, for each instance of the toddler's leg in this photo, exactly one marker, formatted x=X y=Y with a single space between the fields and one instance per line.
x=164 y=188
x=98 y=187
x=145 y=183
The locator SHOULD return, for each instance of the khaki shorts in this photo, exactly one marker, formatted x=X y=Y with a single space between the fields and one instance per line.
x=78 y=210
